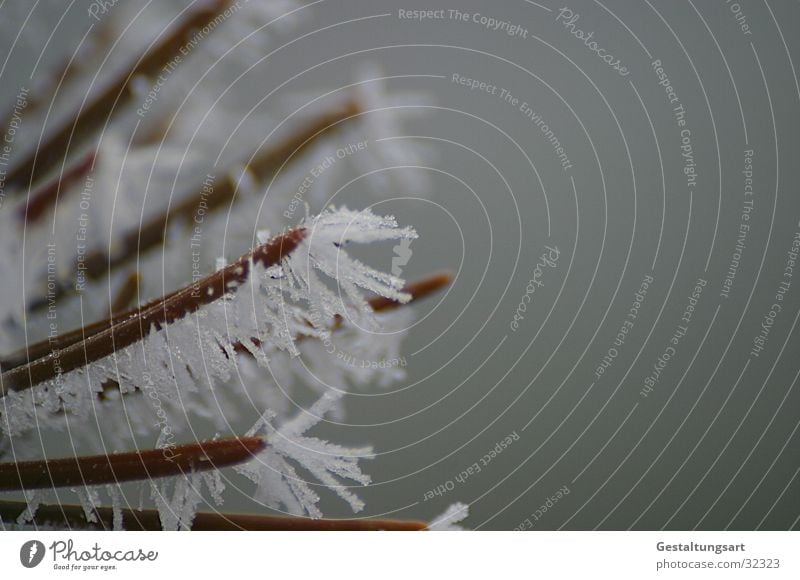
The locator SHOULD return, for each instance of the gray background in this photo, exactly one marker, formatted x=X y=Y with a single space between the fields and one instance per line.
x=714 y=445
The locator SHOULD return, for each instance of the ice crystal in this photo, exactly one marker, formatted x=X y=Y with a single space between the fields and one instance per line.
x=303 y=323
x=177 y=500
x=180 y=365
x=278 y=484
x=448 y=520
x=129 y=185
x=190 y=370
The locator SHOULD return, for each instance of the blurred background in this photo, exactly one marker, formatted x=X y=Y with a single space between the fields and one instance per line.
x=606 y=356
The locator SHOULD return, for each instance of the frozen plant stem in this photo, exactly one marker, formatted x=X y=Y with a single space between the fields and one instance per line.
x=38 y=202
x=76 y=338
x=154 y=315
x=199 y=350
x=73 y=516
x=151 y=233
x=98 y=110
x=126 y=295
x=122 y=467
x=417 y=290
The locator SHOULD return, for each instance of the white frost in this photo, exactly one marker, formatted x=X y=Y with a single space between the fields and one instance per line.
x=448 y=520
x=273 y=471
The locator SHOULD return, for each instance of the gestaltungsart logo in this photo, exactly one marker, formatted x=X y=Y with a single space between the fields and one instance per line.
x=31 y=553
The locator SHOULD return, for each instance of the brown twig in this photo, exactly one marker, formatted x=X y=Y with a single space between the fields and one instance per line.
x=45 y=347
x=39 y=201
x=97 y=112
x=41 y=349
x=120 y=333
x=417 y=290
x=133 y=466
x=74 y=517
x=152 y=233
x=126 y=295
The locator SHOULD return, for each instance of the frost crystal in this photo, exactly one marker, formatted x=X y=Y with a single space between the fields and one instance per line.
x=448 y=520
x=273 y=471
x=177 y=500
x=190 y=370
x=303 y=323
x=115 y=493
x=180 y=366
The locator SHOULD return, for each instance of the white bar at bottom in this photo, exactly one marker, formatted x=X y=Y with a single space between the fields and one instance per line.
x=389 y=555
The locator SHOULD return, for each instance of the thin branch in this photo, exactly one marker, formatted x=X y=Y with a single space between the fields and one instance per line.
x=74 y=517
x=104 y=105
x=126 y=295
x=133 y=466
x=417 y=290
x=45 y=348
x=40 y=200
x=119 y=333
x=152 y=233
